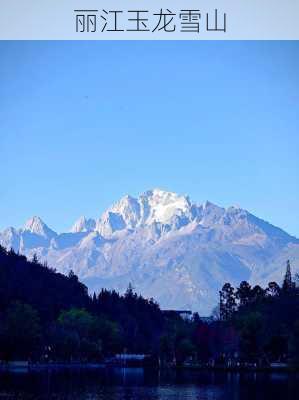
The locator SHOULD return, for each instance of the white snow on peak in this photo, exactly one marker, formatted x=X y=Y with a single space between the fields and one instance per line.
x=152 y=207
x=161 y=237
x=83 y=224
x=37 y=226
x=129 y=209
x=163 y=206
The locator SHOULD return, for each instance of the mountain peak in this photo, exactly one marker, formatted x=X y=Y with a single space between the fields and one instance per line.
x=162 y=205
x=153 y=206
x=83 y=224
x=159 y=237
x=161 y=194
x=36 y=225
x=208 y=204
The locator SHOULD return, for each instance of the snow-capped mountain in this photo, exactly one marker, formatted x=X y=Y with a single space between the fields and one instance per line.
x=83 y=225
x=36 y=226
x=167 y=246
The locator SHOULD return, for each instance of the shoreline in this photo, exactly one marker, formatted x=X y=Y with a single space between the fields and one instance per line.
x=23 y=367
x=239 y=369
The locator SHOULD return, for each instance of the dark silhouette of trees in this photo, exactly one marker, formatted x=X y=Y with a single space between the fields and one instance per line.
x=288 y=283
x=20 y=333
x=250 y=327
x=266 y=320
x=227 y=302
x=294 y=343
x=72 y=324
x=244 y=293
x=273 y=289
x=257 y=294
x=47 y=316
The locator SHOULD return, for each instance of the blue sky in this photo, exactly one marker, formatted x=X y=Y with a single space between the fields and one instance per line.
x=83 y=123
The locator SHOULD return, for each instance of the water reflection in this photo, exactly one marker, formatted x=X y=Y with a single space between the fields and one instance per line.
x=139 y=384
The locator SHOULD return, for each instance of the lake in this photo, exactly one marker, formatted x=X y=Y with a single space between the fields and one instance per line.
x=139 y=384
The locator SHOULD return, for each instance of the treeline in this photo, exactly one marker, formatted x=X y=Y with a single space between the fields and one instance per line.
x=46 y=316
x=264 y=323
x=252 y=326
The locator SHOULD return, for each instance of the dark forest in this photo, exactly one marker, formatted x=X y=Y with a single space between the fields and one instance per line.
x=49 y=317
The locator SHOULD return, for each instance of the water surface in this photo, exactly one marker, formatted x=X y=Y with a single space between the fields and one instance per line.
x=137 y=384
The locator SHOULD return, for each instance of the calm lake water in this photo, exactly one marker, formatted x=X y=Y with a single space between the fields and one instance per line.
x=137 y=384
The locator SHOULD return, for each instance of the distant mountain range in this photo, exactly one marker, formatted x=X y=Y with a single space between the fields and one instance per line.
x=169 y=248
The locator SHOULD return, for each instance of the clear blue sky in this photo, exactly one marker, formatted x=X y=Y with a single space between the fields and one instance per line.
x=83 y=123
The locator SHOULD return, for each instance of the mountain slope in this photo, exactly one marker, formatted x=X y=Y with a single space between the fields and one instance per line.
x=170 y=248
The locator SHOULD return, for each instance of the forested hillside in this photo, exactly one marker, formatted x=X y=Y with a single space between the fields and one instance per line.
x=42 y=309
x=46 y=316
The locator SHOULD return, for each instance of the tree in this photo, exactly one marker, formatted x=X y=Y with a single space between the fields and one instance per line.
x=243 y=293
x=257 y=294
x=34 y=259
x=95 y=335
x=21 y=332
x=117 y=321
x=65 y=343
x=294 y=343
x=94 y=298
x=130 y=291
x=287 y=282
x=250 y=327
x=273 y=289
x=77 y=320
x=227 y=302
x=72 y=276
